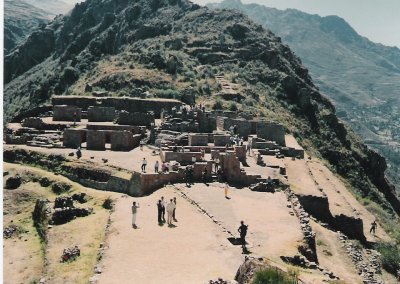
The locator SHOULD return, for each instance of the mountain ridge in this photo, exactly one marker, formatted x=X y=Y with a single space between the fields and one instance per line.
x=362 y=78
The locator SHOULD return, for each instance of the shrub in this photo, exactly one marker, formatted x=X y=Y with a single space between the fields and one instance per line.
x=108 y=203
x=168 y=94
x=390 y=257
x=233 y=106
x=273 y=276
x=60 y=187
x=218 y=105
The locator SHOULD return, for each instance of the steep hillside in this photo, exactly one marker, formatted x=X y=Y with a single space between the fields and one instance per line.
x=55 y=6
x=176 y=49
x=20 y=20
x=361 y=77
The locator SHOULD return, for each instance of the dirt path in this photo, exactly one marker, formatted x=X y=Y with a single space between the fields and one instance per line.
x=193 y=252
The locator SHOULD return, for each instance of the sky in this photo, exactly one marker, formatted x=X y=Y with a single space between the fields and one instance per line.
x=378 y=20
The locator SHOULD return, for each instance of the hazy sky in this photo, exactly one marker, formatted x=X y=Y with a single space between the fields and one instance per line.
x=378 y=20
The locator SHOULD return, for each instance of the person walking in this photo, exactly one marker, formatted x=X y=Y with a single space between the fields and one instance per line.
x=162 y=209
x=134 y=213
x=243 y=232
x=373 y=227
x=144 y=164
x=156 y=166
x=159 y=211
x=170 y=211
x=173 y=213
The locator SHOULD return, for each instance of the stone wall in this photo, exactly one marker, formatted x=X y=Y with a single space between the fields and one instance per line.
x=244 y=127
x=124 y=140
x=96 y=140
x=115 y=127
x=221 y=139
x=184 y=158
x=100 y=114
x=66 y=113
x=73 y=138
x=197 y=139
x=271 y=131
x=135 y=118
x=127 y=104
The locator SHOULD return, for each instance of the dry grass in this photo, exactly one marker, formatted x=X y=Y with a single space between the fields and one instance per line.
x=87 y=232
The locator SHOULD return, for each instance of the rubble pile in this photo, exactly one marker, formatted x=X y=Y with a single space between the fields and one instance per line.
x=367 y=264
x=263 y=187
x=70 y=254
x=10 y=231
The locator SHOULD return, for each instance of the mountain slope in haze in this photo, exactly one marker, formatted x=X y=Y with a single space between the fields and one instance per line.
x=22 y=17
x=361 y=77
x=54 y=6
x=174 y=48
x=20 y=20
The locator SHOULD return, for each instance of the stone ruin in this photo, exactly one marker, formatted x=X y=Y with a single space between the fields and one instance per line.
x=185 y=136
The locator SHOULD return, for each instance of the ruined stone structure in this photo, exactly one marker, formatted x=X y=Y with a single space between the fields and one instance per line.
x=243 y=126
x=96 y=140
x=124 y=140
x=127 y=104
x=100 y=114
x=73 y=138
x=66 y=113
x=198 y=139
x=271 y=131
x=136 y=118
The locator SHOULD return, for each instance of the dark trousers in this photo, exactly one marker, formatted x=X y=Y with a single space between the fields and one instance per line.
x=143 y=168
x=163 y=214
x=173 y=214
x=243 y=240
x=159 y=216
x=156 y=169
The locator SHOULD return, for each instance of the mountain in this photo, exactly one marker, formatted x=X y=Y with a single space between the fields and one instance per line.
x=22 y=17
x=362 y=78
x=174 y=48
x=20 y=20
x=54 y=6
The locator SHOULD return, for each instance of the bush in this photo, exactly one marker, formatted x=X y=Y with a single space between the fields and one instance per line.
x=273 y=276
x=233 y=106
x=60 y=187
x=168 y=94
x=390 y=257
x=108 y=203
x=218 y=105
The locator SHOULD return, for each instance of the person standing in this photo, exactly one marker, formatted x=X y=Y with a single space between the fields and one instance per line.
x=373 y=227
x=216 y=161
x=170 y=211
x=78 y=153
x=144 y=164
x=159 y=211
x=141 y=145
x=226 y=190
x=204 y=175
x=162 y=209
x=156 y=165
x=173 y=213
x=134 y=213
x=243 y=232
